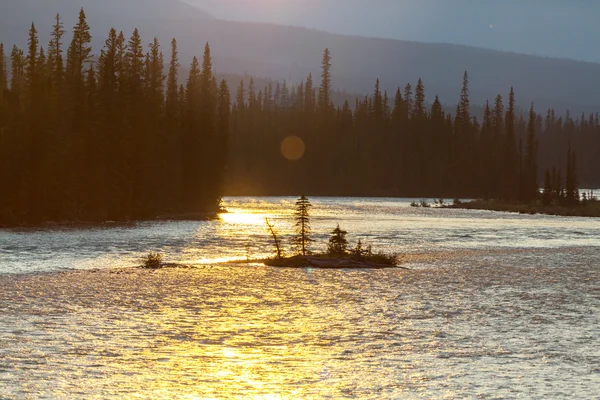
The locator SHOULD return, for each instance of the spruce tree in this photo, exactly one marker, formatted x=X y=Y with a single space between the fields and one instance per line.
x=309 y=95
x=377 y=108
x=31 y=73
x=571 y=181
x=210 y=161
x=191 y=142
x=156 y=77
x=510 y=181
x=419 y=107
x=135 y=65
x=222 y=134
x=240 y=99
x=338 y=244
x=408 y=99
x=486 y=147
x=172 y=86
x=17 y=71
x=325 y=89
x=252 y=103
x=303 y=238
x=55 y=50
x=464 y=114
x=548 y=189
x=79 y=52
x=531 y=164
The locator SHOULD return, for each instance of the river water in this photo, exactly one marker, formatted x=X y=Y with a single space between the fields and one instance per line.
x=494 y=306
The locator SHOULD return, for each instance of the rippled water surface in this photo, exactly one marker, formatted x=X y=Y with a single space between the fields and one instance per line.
x=494 y=306
x=389 y=224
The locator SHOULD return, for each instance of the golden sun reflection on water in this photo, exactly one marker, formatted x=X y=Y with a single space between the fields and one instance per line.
x=456 y=328
x=245 y=217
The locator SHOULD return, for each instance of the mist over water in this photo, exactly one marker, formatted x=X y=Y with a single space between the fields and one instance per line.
x=495 y=306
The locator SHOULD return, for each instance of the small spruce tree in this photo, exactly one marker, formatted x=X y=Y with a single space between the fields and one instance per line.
x=358 y=250
x=338 y=244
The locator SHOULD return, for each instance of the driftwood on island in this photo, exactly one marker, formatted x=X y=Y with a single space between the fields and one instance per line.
x=326 y=262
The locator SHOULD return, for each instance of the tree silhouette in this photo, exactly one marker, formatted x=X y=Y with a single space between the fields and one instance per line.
x=338 y=244
x=531 y=167
x=325 y=89
x=548 y=189
x=572 y=181
x=303 y=231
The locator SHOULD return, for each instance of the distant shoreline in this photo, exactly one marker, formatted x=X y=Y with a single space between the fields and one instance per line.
x=590 y=210
x=202 y=216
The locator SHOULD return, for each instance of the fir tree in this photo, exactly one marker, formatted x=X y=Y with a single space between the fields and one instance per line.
x=338 y=244
x=325 y=89
x=572 y=181
x=240 y=99
x=463 y=116
x=303 y=238
x=548 y=189
x=377 y=108
x=78 y=54
x=55 y=50
x=531 y=166
x=510 y=153
x=419 y=107
x=31 y=73
x=222 y=132
x=408 y=98
x=172 y=86
x=309 y=95
x=191 y=143
x=17 y=71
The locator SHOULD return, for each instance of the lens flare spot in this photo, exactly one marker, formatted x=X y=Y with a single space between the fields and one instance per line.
x=293 y=148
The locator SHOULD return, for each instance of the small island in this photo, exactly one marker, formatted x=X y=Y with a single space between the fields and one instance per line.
x=338 y=254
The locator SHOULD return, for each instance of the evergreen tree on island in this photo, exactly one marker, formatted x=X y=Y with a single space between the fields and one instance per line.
x=338 y=244
x=303 y=231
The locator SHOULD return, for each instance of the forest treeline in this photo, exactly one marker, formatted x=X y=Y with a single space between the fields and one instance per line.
x=115 y=135
x=110 y=135
x=398 y=145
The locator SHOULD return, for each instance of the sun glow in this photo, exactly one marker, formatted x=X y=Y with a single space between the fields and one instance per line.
x=242 y=218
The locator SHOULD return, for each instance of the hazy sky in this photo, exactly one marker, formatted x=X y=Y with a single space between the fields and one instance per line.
x=557 y=28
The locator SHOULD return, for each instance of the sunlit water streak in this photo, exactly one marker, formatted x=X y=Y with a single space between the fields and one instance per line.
x=496 y=306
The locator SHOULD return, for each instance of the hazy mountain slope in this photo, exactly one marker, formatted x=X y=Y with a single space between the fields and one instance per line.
x=556 y=28
x=291 y=53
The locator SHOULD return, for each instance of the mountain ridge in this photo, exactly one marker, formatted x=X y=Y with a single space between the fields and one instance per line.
x=287 y=52
x=537 y=27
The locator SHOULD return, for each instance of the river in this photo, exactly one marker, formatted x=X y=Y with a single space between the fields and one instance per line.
x=494 y=306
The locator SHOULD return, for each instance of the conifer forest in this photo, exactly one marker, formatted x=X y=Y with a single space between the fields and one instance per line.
x=117 y=134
